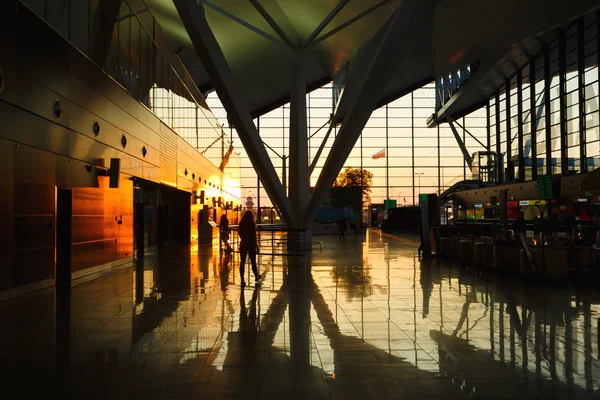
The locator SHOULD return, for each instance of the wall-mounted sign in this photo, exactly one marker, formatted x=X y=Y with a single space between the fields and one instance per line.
x=512 y=204
x=581 y=200
x=478 y=205
x=523 y=202
x=387 y=204
x=546 y=190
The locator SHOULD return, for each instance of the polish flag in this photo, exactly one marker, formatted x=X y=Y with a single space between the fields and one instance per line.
x=379 y=154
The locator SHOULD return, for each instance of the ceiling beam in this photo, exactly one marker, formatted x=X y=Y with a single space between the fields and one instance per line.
x=244 y=24
x=220 y=73
x=325 y=22
x=261 y=10
x=349 y=22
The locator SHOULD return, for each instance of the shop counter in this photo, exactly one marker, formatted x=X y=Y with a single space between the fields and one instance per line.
x=506 y=258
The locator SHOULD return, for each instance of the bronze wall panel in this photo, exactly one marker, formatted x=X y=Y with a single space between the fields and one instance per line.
x=87 y=228
x=88 y=201
x=78 y=173
x=96 y=213
x=86 y=255
x=34 y=164
x=46 y=135
x=7 y=119
x=6 y=269
x=110 y=227
x=7 y=197
x=125 y=230
x=73 y=136
x=168 y=156
x=7 y=161
x=6 y=232
x=33 y=197
x=32 y=266
x=33 y=232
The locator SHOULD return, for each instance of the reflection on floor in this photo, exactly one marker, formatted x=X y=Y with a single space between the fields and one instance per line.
x=361 y=318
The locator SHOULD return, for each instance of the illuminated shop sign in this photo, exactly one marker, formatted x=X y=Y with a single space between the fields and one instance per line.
x=524 y=203
x=478 y=205
x=513 y=204
x=581 y=200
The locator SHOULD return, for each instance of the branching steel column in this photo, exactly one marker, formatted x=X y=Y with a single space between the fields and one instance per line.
x=461 y=144
x=534 y=118
x=520 y=126
x=498 y=148
x=548 y=120
x=583 y=167
x=369 y=89
x=510 y=170
x=321 y=147
x=223 y=80
x=487 y=126
x=299 y=184
x=562 y=93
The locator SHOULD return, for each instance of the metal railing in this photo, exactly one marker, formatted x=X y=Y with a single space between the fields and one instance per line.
x=275 y=239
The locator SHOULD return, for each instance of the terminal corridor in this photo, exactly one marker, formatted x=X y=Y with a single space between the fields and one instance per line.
x=360 y=318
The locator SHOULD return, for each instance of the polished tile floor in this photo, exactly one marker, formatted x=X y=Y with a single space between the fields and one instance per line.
x=361 y=318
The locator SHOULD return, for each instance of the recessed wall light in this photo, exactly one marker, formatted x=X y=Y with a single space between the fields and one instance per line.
x=57 y=109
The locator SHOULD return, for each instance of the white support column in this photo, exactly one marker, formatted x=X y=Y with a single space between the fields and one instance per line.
x=299 y=177
x=369 y=90
x=222 y=78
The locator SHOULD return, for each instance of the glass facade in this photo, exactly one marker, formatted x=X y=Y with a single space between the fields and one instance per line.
x=418 y=159
x=545 y=119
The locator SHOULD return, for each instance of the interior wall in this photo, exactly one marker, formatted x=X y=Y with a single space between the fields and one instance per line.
x=102 y=224
x=42 y=149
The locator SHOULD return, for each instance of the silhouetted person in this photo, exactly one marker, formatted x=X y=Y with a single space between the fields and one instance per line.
x=570 y=224
x=248 y=244
x=554 y=224
x=224 y=232
x=537 y=226
x=342 y=226
x=520 y=226
x=596 y=221
x=225 y=271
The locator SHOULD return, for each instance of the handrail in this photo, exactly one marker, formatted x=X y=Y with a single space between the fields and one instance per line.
x=271 y=228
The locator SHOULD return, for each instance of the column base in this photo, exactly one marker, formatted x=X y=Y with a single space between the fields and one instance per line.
x=299 y=241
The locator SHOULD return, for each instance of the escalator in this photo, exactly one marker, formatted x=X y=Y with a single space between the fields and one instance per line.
x=467 y=184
